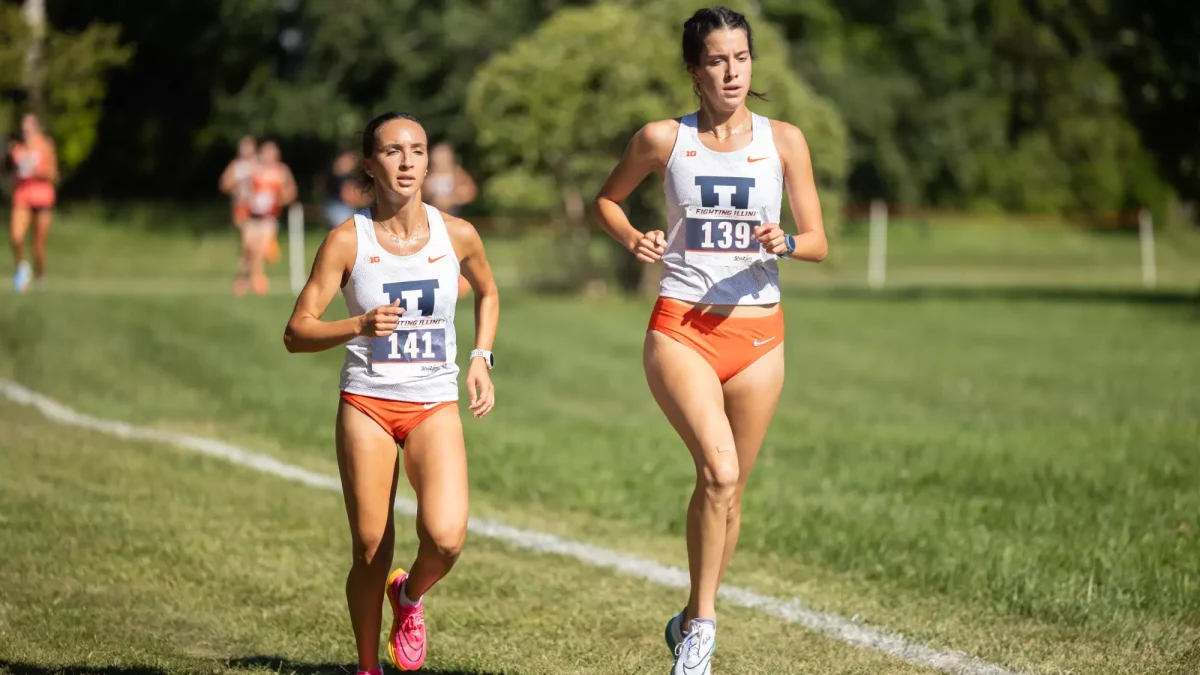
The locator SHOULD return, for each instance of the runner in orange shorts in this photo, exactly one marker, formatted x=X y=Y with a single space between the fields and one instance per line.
x=36 y=161
x=713 y=350
x=272 y=187
x=398 y=266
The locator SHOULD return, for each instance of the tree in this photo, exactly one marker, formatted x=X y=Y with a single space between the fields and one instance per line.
x=554 y=112
x=975 y=104
x=320 y=68
x=68 y=80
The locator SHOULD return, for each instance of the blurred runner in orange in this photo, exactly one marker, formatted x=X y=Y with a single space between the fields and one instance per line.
x=448 y=187
x=235 y=180
x=36 y=163
x=272 y=187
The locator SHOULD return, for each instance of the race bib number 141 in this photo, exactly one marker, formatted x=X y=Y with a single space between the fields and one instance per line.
x=722 y=235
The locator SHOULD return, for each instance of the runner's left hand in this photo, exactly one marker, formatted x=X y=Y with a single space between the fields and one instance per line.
x=479 y=388
x=773 y=239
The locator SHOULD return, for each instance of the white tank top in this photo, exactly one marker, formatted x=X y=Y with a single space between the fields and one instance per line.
x=714 y=201
x=416 y=362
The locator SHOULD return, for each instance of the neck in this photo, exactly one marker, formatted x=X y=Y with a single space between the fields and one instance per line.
x=722 y=122
x=402 y=215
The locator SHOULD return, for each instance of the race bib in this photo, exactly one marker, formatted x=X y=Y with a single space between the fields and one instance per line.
x=263 y=203
x=27 y=165
x=414 y=341
x=721 y=235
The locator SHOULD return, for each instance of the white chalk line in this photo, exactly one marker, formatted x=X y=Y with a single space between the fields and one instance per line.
x=792 y=610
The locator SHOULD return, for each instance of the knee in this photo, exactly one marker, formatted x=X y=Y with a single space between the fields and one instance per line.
x=369 y=550
x=447 y=542
x=735 y=507
x=720 y=475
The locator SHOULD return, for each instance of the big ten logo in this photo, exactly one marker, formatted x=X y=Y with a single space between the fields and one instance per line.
x=373 y=259
x=690 y=153
x=725 y=191
x=416 y=297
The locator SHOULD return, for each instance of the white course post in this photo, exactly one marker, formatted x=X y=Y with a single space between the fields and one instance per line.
x=296 y=246
x=877 y=248
x=1146 y=235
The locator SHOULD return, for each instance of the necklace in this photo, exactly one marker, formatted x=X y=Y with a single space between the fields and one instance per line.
x=740 y=130
x=402 y=241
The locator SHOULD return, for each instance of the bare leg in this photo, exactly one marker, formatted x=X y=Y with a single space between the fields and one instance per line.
x=751 y=397
x=41 y=232
x=689 y=394
x=367 y=461
x=18 y=226
x=435 y=460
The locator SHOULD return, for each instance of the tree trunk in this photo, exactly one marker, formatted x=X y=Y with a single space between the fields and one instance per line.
x=35 y=15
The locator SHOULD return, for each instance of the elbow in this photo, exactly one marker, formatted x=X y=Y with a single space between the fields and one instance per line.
x=290 y=343
x=822 y=252
x=597 y=209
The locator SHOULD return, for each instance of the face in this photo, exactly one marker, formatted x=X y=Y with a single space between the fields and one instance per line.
x=401 y=158
x=442 y=156
x=269 y=154
x=344 y=163
x=246 y=147
x=723 y=74
x=30 y=126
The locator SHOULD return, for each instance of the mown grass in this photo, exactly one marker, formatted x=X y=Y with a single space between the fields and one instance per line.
x=135 y=559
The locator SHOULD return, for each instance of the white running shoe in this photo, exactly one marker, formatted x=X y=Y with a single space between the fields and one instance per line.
x=22 y=278
x=693 y=656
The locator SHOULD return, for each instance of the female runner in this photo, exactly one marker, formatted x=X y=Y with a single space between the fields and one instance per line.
x=713 y=353
x=398 y=270
x=36 y=162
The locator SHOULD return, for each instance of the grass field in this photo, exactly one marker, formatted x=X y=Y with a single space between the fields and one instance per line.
x=1008 y=474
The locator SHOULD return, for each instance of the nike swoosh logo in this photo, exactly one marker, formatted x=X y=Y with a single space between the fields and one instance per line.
x=755 y=159
x=701 y=667
x=430 y=406
x=409 y=652
x=433 y=260
x=759 y=344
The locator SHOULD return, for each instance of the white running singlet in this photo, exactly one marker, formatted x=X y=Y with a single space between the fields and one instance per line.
x=416 y=362
x=714 y=202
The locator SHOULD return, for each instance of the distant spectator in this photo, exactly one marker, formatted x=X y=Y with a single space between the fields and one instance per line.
x=343 y=195
x=448 y=186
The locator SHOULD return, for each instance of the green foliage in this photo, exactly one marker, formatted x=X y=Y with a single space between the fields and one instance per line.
x=558 y=107
x=356 y=60
x=76 y=66
x=985 y=103
x=72 y=74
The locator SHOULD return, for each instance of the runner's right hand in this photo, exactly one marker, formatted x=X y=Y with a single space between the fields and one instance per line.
x=381 y=321
x=651 y=246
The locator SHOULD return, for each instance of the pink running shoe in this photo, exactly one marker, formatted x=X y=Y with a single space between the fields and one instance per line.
x=406 y=641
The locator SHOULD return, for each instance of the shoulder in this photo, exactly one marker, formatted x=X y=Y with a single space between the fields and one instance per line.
x=655 y=141
x=463 y=235
x=342 y=240
x=660 y=132
x=789 y=140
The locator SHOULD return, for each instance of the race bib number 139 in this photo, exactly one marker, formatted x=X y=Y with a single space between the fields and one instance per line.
x=722 y=235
